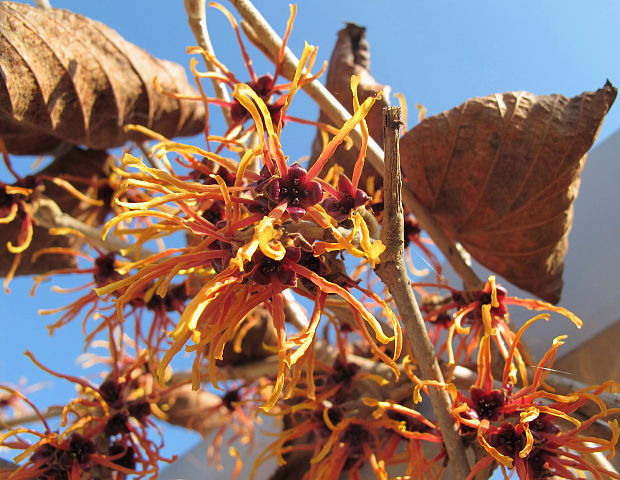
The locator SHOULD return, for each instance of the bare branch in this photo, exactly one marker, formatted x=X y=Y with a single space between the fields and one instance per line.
x=294 y=313
x=51 y=412
x=393 y=273
x=47 y=214
x=197 y=19
x=566 y=386
x=153 y=160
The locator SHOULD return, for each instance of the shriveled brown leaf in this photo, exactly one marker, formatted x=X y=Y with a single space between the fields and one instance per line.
x=296 y=466
x=200 y=411
x=351 y=56
x=85 y=164
x=67 y=78
x=253 y=344
x=501 y=172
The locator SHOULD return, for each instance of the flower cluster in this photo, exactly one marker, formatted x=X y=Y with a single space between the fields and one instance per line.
x=525 y=426
x=105 y=431
x=262 y=271
x=247 y=232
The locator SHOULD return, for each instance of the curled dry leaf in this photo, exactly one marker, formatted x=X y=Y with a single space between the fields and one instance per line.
x=351 y=56
x=87 y=165
x=67 y=78
x=259 y=334
x=501 y=172
x=296 y=466
x=200 y=411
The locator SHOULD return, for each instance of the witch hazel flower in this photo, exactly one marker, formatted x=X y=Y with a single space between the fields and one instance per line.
x=247 y=259
x=345 y=199
x=525 y=427
x=274 y=94
x=465 y=327
x=295 y=188
x=107 y=428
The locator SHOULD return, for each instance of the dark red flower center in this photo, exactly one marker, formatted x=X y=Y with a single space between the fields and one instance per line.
x=507 y=441
x=294 y=188
x=126 y=460
x=343 y=373
x=412 y=229
x=264 y=88
x=117 y=423
x=267 y=271
x=348 y=199
x=79 y=451
x=139 y=409
x=173 y=301
x=355 y=435
x=487 y=404
x=105 y=271
x=230 y=398
x=110 y=391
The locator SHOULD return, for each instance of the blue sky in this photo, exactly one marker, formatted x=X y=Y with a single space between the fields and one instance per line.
x=438 y=53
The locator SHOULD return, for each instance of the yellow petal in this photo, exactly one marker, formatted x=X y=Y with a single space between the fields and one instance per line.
x=265 y=237
x=372 y=249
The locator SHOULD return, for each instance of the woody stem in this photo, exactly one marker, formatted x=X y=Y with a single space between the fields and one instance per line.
x=47 y=214
x=393 y=273
x=197 y=20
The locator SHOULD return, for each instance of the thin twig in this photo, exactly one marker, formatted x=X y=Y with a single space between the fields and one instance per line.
x=566 y=386
x=294 y=313
x=47 y=214
x=154 y=161
x=270 y=43
x=393 y=273
x=51 y=412
x=197 y=19
x=268 y=367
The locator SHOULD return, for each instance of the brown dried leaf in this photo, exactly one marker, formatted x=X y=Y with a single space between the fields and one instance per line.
x=200 y=411
x=67 y=78
x=252 y=348
x=501 y=173
x=296 y=466
x=351 y=56
x=86 y=164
